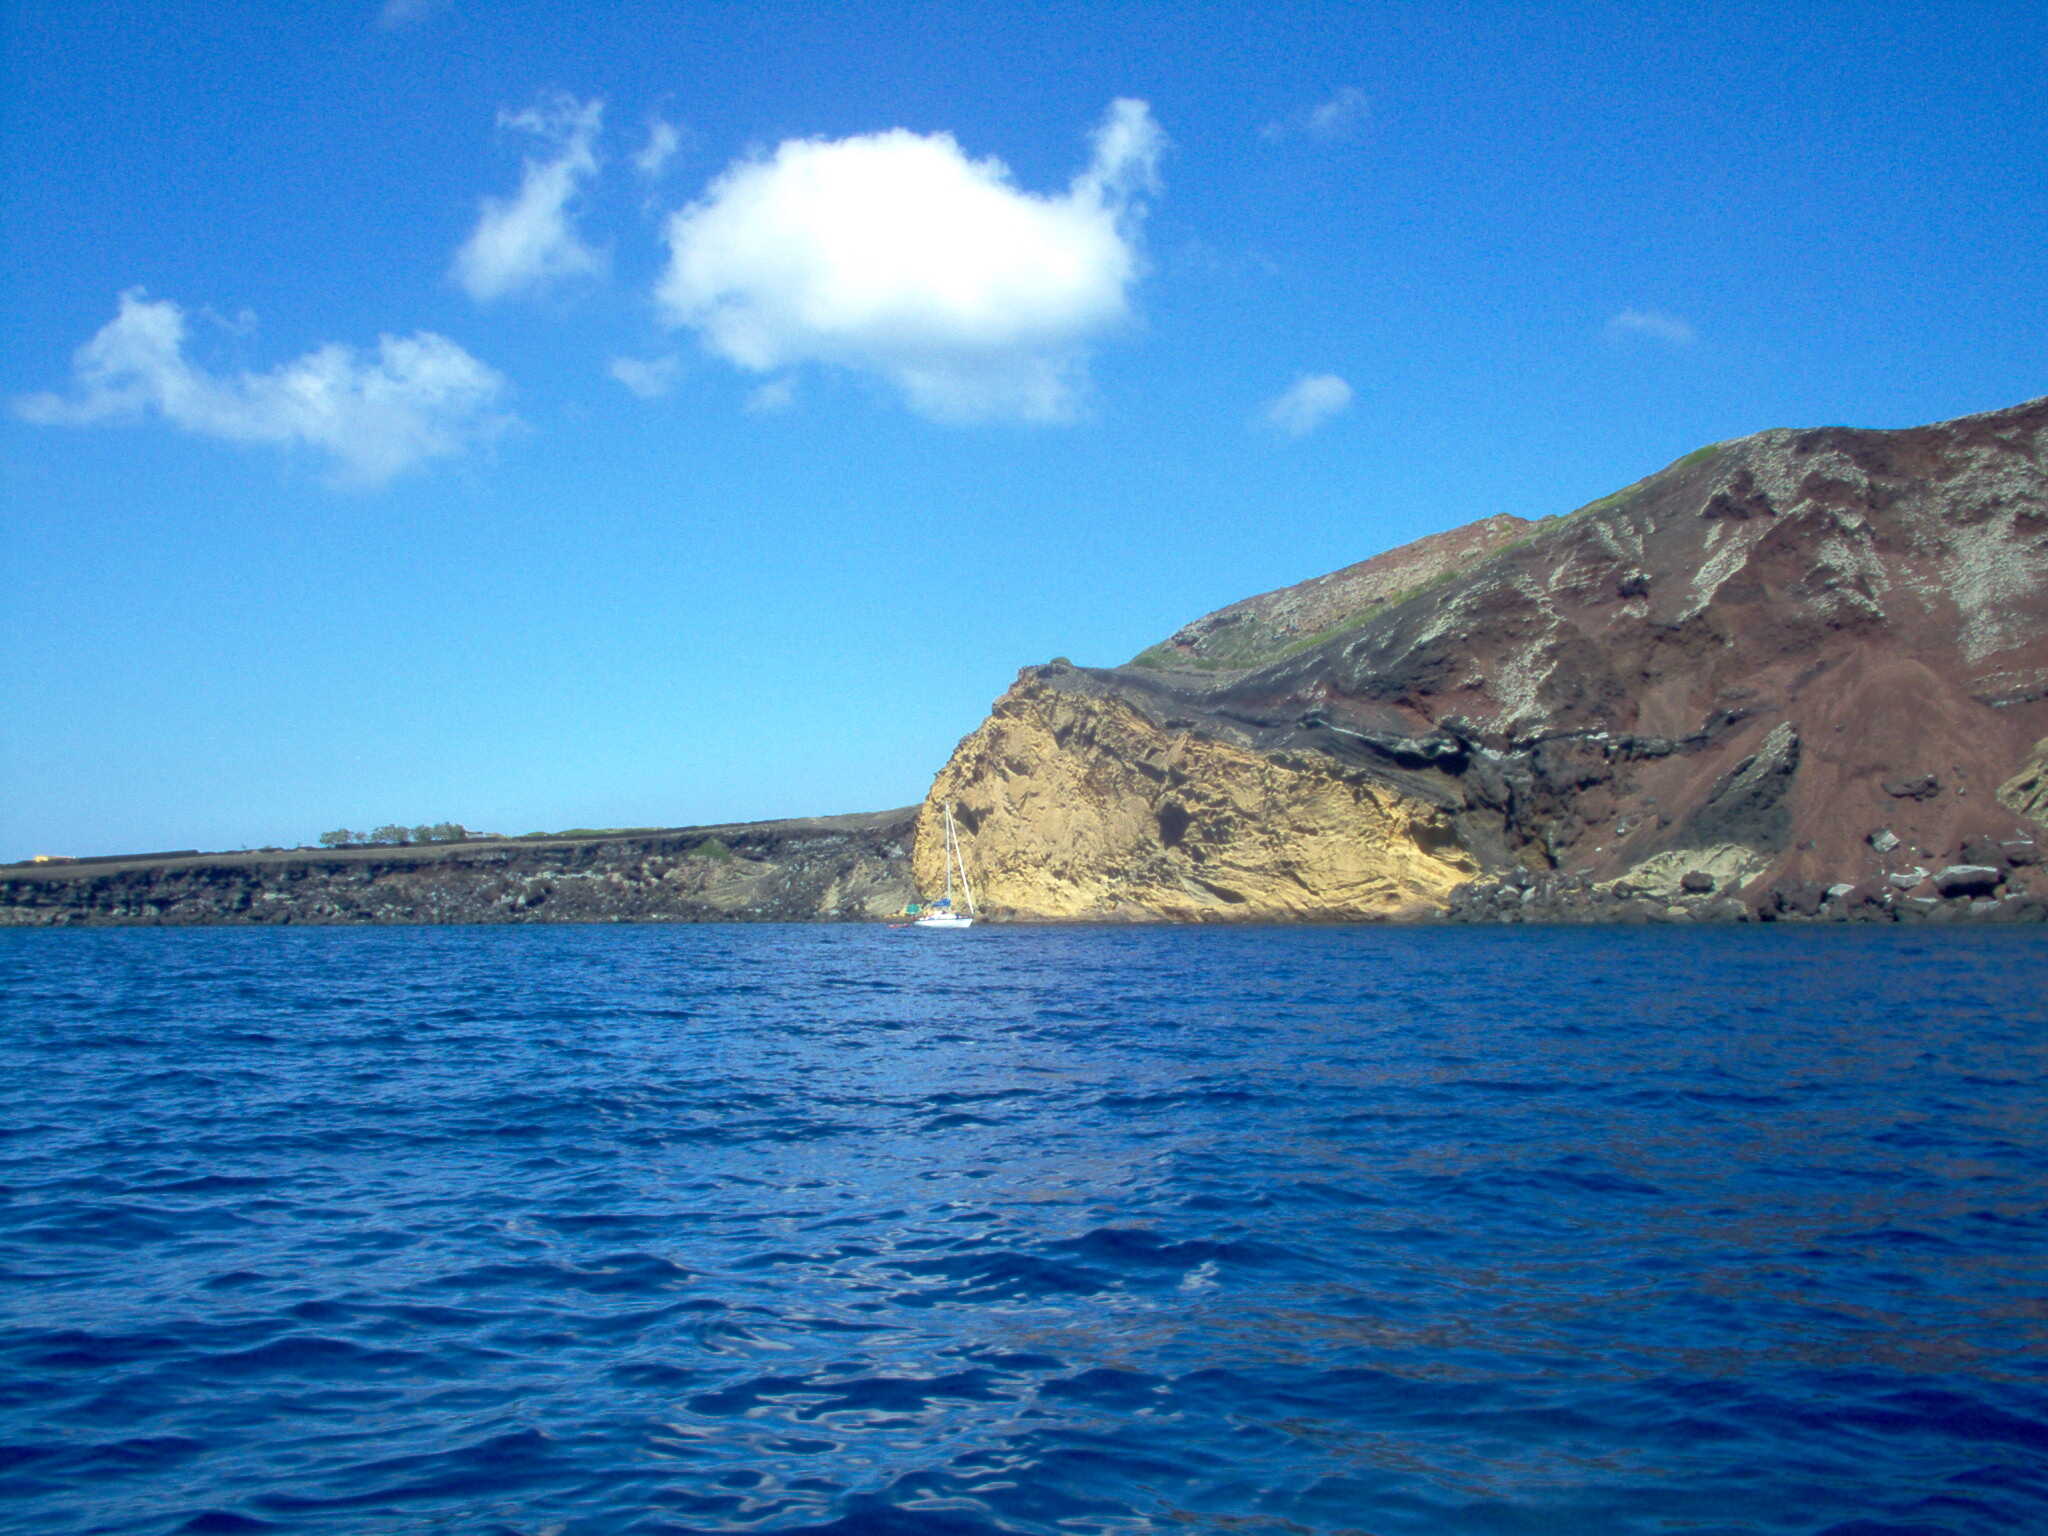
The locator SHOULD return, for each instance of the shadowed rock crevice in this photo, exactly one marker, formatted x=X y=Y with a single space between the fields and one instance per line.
x=1751 y=804
x=1173 y=824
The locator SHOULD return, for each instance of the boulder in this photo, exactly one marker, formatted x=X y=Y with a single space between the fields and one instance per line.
x=1906 y=879
x=1987 y=851
x=1796 y=898
x=1696 y=882
x=2024 y=909
x=1968 y=880
x=2020 y=853
x=1925 y=787
x=1862 y=903
x=1884 y=840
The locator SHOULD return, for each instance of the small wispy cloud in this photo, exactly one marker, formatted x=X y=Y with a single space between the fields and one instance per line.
x=663 y=140
x=776 y=395
x=396 y=14
x=528 y=240
x=1326 y=122
x=374 y=414
x=1309 y=402
x=1654 y=325
x=648 y=377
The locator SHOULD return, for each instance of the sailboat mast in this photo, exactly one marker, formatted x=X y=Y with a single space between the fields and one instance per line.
x=963 y=874
x=951 y=854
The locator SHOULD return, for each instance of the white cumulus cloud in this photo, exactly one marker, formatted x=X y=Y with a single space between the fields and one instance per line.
x=1309 y=402
x=648 y=377
x=528 y=240
x=897 y=255
x=1655 y=325
x=1326 y=121
x=375 y=414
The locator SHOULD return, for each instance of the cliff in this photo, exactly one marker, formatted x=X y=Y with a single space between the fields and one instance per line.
x=1797 y=673
x=1078 y=799
x=834 y=867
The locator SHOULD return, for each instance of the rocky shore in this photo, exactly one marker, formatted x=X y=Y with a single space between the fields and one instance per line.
x=857 y=868
x=849 y=868
x=1997 y=883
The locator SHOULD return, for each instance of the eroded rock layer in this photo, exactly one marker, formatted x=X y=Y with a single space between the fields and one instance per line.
x=1802 y=662
x=2026 y=792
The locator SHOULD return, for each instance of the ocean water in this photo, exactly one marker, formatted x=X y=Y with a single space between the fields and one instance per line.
x=1079 y=1230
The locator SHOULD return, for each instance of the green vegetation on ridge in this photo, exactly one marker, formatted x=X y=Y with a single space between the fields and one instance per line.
x=395 y=836
x=1244 y=641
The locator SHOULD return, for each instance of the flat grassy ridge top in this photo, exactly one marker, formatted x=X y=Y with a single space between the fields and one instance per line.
x=1257 y=630
x=718 y=841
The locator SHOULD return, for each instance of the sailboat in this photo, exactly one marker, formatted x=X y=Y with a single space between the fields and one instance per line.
x=940 y=914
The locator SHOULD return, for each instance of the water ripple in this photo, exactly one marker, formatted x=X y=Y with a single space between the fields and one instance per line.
x=1077 y=1231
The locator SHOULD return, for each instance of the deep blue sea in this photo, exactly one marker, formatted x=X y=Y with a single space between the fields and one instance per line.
x=1084 y=1230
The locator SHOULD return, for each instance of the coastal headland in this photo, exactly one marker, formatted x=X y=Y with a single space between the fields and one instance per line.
x=1801 y=675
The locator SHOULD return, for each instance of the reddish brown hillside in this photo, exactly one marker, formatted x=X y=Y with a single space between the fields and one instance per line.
x=1797 y=660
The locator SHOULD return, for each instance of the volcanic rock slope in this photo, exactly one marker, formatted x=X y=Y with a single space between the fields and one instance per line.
x=1802 y=669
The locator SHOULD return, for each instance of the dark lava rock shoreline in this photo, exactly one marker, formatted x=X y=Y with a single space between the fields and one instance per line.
x=830 y=868
x=1962 y=893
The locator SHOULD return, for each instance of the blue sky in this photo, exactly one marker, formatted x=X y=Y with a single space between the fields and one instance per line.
x=535 y=416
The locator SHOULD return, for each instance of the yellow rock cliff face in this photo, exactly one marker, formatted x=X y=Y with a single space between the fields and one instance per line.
x=1075 y=806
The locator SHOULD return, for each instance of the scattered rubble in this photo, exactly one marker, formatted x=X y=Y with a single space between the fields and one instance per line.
x=1994 y=888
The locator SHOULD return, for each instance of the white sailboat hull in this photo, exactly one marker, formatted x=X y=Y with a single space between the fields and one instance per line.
x=943 y=920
